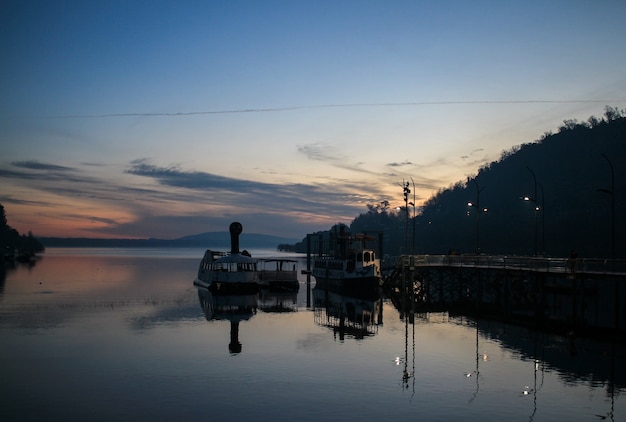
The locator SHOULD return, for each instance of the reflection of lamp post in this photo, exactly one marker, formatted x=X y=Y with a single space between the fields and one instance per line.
x=478 y=211
x=611 y=192
x=477 y=371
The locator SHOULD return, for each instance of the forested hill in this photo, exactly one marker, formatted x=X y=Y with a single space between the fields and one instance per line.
x=572 y=169
x=11 y=242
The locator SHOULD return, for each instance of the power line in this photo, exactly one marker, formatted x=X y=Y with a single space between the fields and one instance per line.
x=321 y=106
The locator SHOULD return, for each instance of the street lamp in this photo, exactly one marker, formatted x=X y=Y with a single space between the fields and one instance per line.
x=538 y=207
x=413 y=204
x=479 y=210
x=406 y=191
x=611 y=192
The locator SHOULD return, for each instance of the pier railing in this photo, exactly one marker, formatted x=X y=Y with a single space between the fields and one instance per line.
x=522 y=263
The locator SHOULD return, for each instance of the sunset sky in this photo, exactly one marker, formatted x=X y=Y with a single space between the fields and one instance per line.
x=170 y=118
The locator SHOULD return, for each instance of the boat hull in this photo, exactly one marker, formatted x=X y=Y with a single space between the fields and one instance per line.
x=281 y=285
x=228 y=288
x=355 y=287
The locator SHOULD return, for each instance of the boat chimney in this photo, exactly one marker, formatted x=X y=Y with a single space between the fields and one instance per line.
x=235 y=230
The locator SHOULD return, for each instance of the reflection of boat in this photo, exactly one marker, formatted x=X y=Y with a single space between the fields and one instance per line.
x=347 y=261
x=233 y=308
x=358 y=317
x=278 y=302
x=227 y=273
x=278 y=273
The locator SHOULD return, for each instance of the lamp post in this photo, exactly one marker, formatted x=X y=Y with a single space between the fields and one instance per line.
x=413 y=203
x=533 y=199
x=478 y=211
x=539 y=207
x=406 y=190
x=543 y=221
x=611 y=192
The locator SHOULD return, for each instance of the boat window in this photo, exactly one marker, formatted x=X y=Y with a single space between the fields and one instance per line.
x=232 y=266
x=359 y=257
x=366 y=257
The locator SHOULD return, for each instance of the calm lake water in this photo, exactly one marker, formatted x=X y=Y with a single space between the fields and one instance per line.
x=122 y=334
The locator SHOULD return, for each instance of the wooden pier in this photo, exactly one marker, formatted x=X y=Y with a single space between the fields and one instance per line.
x=557 y=293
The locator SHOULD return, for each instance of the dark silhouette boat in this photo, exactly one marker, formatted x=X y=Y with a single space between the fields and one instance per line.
x=235 y=272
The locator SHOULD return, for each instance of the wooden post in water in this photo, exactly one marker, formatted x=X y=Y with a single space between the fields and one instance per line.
x=308 y=270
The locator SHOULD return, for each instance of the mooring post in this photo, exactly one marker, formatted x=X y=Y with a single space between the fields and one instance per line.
x=308 y=270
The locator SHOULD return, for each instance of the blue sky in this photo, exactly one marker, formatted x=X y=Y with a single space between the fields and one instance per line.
x=169 y=118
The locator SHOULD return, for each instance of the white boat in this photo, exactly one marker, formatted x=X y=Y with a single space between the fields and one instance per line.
x=235 y=272
x=278 y=273
x=346 y=261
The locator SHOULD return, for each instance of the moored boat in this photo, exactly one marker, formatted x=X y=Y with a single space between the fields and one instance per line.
x=235 y=272
x=278 y=273
x=347 y=261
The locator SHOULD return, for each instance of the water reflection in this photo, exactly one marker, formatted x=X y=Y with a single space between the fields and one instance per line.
x=10 y=265
x=406 y=374
x=278 y=301
x=347 y=313
x=571 y=359
x=3 y=279
x=233 y=308
x=118 y=324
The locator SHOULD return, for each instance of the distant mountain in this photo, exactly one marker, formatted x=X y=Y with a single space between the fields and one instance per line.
x=208 y=239
x=246 y=240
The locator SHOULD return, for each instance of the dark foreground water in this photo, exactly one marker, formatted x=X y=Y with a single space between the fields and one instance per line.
x=110 y=335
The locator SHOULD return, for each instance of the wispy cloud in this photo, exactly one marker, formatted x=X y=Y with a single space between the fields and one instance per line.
x=181 y=201
x=402 y=164
x=36 y=165
x=319 y=152
x=10 y=199
x=174 y=176
x=250 y=193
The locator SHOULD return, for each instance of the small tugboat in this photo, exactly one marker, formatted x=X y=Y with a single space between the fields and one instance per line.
x=278 y=274
x=347 y=262
x=235 y=272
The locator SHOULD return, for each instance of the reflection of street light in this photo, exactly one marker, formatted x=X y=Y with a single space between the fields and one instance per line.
x=479 y=210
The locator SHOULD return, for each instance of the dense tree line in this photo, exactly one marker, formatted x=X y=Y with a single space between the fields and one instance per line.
x=575 y=190
x=11 y=241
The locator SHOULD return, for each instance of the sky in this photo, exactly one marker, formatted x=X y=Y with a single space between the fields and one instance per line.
x=163 y=119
